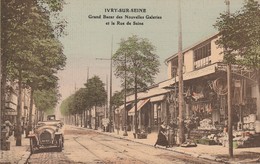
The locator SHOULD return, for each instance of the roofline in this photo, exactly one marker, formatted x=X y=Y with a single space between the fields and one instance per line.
x=192 y=46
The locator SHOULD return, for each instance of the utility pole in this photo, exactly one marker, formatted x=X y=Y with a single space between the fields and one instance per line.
x=110 y=90
x=110 y=95
x=1 y=110
x=106 y=109
x=125 y=112
x=180 y=75
x=229 y=85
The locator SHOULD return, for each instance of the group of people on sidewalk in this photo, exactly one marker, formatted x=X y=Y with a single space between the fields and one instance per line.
x=11 y=129
x=166 y=135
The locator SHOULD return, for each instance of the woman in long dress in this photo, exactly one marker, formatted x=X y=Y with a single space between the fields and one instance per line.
x=161 y=139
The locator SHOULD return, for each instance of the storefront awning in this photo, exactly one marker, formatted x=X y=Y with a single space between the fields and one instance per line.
x=121 y=107
x=191 y=75
x=157 y=98
x=140 y=104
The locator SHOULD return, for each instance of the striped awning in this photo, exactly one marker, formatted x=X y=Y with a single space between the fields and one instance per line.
x=140 y=104
x=120 y=108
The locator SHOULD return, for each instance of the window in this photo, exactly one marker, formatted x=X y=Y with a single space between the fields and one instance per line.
x=202 y=56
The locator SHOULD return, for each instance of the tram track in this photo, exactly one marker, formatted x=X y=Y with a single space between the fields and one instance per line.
x=121 y=151
x=117 y=150
x=108 y=146
x=94 y=154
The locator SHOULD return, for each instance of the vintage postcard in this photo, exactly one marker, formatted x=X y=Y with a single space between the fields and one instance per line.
x=130 y=81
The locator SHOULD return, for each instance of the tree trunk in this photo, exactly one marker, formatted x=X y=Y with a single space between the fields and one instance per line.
x=3 y=70
x=41 y=116
x=3 y=86
x=95 y=108
x=229 y=99
x=19 y=111
x=87 y=118
x=29 y=128
x=90 y=117
x=84 y=118
x=81 y=119
x=258 y=94
x=36 y=117
x=75 y=116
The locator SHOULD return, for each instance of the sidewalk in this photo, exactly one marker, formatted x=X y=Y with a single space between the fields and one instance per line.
x=210 y=152
x=16 y=154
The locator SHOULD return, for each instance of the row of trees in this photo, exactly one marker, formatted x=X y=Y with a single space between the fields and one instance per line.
x=136 y=64
x=93 y=95
x=31 y=53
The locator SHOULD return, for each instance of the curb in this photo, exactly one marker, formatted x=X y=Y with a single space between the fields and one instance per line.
x=25 y=157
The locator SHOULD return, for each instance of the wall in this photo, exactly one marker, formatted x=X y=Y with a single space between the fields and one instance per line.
x=169 y=70
x=216 y=55
x=188 y=61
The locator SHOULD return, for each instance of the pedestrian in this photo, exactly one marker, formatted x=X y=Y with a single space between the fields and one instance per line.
x=171 y=135
x=7 y=128
x=162 y=139
x=15 y=131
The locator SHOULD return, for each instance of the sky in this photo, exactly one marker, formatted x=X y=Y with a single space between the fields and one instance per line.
x=88 y=38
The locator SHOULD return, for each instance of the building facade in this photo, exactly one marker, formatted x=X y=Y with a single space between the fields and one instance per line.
x=10 y=112
x=205 y=91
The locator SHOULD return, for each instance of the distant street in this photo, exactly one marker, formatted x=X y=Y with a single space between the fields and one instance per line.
x=89 y=146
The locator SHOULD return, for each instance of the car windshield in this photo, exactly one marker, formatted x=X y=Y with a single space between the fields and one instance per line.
x=48 y=123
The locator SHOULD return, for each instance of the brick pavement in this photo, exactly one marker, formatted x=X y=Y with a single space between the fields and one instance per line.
x=16 y=154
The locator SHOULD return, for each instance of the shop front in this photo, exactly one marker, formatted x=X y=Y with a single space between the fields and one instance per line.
x=143 y=115
x=207 y=100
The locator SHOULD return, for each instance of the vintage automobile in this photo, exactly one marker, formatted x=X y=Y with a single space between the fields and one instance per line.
x=47 y=134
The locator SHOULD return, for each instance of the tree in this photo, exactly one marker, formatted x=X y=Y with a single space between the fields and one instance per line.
x=46 y=100
x=81 y=102
x=66 y=107
x=96 y=94
x=41 y=75
x=24 y=23
x=136 y=61
x=239 y=36
x=117 y=99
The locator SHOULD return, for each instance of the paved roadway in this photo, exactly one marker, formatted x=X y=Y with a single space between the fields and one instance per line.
x=89 y=146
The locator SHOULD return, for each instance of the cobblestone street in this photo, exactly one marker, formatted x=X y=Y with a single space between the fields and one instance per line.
x=89 y=146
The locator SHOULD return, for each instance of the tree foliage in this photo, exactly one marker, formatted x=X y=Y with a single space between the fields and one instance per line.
x=93 y=94
x=80 y=100
x=46 y=100
x=66 y=106
x=31 y=52
x=96 y=93
x=240 y=33
x=117 y=99
x=136 y=59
